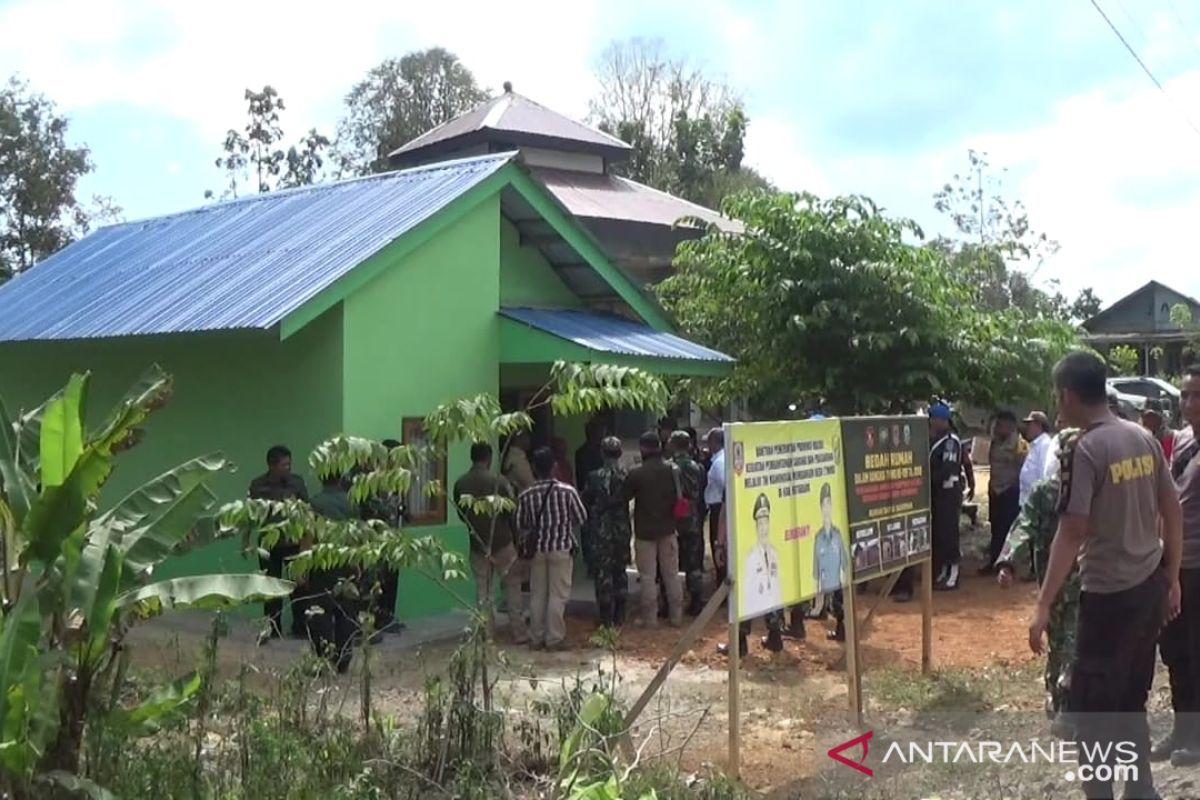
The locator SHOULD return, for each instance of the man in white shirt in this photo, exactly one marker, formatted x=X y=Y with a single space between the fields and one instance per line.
x=761 y=588
x=1037 y=433
x=714 y=500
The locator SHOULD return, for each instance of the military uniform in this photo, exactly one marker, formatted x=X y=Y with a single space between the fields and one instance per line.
x=1030 y=538
x=389 y=509
x=691 y=529
x=606 y=537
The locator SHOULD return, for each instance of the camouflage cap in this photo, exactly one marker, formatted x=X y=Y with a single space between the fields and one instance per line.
x=611 y=445
x=681 y=439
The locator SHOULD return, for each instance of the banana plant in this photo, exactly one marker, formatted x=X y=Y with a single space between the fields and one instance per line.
x=75 y=578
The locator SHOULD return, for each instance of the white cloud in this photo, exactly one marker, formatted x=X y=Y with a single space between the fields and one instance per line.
x=193 y=60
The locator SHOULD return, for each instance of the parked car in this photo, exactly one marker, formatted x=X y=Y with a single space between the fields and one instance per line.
x=1147 y=392
x=1125 y=405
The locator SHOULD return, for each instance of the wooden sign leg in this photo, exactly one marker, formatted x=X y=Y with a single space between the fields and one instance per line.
x=927 y=617
x=735 y=702
x=853 y=682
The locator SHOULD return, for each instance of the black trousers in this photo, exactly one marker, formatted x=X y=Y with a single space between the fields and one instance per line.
x=332 y=629
x=1005 y=508
x=944 y=519
x=720 y=563
x=1112 y=675
x=385 y=605
x=275 y=566
x=1179 y=645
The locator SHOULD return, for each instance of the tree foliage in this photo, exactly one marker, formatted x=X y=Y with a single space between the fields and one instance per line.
x=39 y=175
x=828 y=300
x=397 y=101
x=254 y=157
x=997 y=247
x=687 y=131
x=73 y=580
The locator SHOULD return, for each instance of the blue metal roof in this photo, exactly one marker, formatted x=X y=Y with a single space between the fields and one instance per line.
x=610 y=333
x=243 y=264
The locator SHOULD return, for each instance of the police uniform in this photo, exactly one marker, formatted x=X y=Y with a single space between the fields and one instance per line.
x=945 y=475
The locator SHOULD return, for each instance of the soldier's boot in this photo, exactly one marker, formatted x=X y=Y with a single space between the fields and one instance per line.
x=743 y=647
x=796 y=628
x=619 y=611
x=773 y=641
x=838 y=634
x=695 y=588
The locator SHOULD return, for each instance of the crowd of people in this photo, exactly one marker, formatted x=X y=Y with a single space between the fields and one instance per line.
x=673 y=492
x=1108 y=523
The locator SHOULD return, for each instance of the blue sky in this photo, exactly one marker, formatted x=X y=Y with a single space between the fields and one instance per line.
x=874 y=97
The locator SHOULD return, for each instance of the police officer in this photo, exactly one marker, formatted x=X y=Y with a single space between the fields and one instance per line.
x=690 y=528
x=609 y=532
x=945 y=475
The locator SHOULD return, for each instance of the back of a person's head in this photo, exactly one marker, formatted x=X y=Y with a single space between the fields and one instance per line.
x=681 y=442
x=1085 y=375
x=542 y=461
x=650 y=443
x=481 y=453
x=610 y=446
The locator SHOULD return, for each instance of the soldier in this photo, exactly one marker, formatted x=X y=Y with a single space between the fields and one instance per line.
x=1033 y=532
x=388 y=508
x=691 y=481
x=609 y=530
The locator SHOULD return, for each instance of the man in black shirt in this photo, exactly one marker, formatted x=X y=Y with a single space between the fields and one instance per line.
x=278 y=484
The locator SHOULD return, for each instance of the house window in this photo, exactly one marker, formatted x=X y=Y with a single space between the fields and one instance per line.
x=424 y=509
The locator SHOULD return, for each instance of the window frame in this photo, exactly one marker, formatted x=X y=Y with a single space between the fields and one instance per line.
x=412 y=434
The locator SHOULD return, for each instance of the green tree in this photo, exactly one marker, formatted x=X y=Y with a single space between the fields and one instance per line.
x=397 y=101
x=827 y=299
x=687 y=131
x=74 y=579
x=39 y=174
x=998 y=249
x=1124 y=360
x=254 y=157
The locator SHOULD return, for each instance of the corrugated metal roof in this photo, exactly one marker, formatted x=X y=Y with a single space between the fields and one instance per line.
x=516 y=114
x=605 y=196
x=609 y=333
x=242 y=264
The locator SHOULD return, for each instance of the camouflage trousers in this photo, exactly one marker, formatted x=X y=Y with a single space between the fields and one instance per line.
x=691 y=563
x=1060 y=650
x=612 y=585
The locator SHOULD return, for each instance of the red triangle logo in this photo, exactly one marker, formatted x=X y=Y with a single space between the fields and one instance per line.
x=836 y=753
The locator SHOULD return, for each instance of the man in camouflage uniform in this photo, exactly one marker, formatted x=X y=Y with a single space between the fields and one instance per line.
x=691 y=480
x=1031 y=536
x=607 y=533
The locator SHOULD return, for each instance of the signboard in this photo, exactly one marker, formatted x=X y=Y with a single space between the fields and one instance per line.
x=887 y=488
x=786 y=507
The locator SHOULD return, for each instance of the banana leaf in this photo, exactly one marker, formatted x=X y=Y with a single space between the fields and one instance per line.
x=204 y=592
x=146 y=716
x=153 y=520
x=61 y=434
x=18 y=649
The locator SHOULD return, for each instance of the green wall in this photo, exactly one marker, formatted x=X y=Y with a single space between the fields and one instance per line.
x=526 y=277
x=238 y=393
x=422 y=333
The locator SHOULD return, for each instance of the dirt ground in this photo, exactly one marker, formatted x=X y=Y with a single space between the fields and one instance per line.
x=785 y=698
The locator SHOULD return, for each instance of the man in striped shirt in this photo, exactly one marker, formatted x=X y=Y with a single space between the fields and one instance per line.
x=548 y=513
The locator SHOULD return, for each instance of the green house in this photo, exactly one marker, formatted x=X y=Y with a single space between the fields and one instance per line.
x=350 y=307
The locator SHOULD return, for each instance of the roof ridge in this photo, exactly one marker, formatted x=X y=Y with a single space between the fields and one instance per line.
x=617 y=142
x=437 y=166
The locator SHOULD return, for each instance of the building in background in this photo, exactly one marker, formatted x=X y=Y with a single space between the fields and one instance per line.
x=1142 y=320
x=352 y=307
